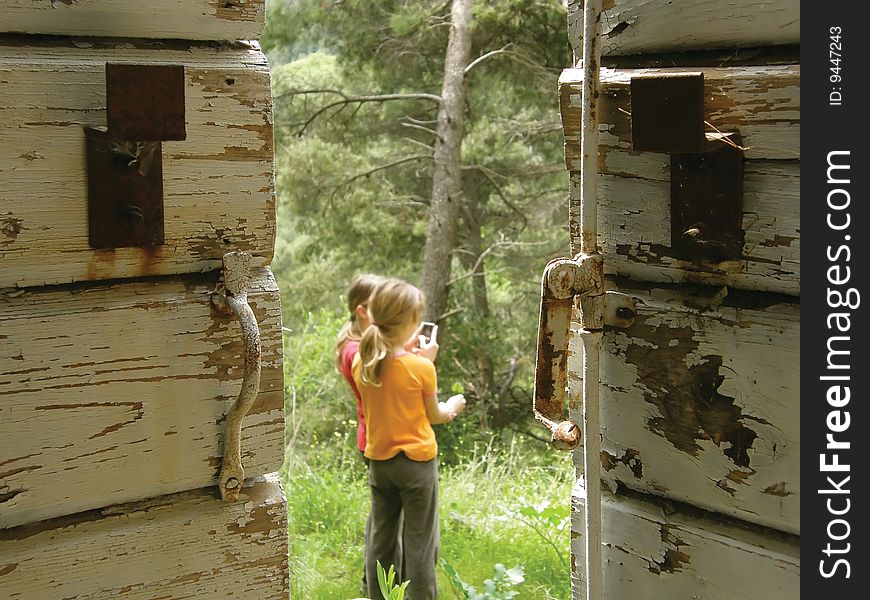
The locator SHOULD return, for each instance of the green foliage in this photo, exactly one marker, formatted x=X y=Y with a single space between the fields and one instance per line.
x=328 y=501
x=385 y=582
x=495 y=588
x=545 y=520
x=354 y=179
x=353 y=182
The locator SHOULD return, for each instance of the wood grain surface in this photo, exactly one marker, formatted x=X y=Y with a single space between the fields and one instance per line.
x=187 y=19
x=218 y=184
x=114 y=393
x=187 y=545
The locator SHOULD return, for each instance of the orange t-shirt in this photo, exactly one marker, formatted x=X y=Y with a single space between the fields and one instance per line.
x=395 y=412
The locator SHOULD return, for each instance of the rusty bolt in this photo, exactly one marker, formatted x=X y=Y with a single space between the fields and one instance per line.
x=566 y=436
x=132 y=214
x=560 y=278
x=624 y=312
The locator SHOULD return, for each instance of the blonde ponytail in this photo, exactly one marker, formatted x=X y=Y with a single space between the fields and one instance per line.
x=358 y=293
x=394 y=305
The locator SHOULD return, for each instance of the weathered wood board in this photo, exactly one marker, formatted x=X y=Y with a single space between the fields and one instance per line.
x=645 y=26
x=218 y=184
x=700 y=401
x=762 y=104
x=187 y=19
x=652 y=552
x=635 y=228
x=186 y=545
x=114 y=393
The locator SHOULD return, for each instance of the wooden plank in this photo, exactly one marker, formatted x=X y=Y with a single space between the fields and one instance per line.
x=187 y=20
x=642 y=26
x=218 y=183
x=187 y=545
x=761 y=103
x=700 y=402
x=115 y=393
x=655 y=551
x=635 y=226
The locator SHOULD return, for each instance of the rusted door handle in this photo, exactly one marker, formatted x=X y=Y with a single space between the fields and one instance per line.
x=231 y=297
x=563 y=280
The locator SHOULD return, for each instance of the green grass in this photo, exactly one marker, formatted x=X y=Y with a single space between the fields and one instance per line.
x=502 y=503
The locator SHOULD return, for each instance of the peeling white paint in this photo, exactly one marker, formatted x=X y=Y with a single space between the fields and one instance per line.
x=116 y=393
x=188 y=19
x=218 y=184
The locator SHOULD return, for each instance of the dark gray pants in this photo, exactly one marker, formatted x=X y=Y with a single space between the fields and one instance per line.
x=401 y=484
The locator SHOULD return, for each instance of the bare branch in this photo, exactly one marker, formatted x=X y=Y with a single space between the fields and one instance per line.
x=492 y=247
x=381 y=168
x=491 y=175
x=421 y=128
x=362 y=99
x=449 y=313
x=405 y=201
x=419 y=143
x=483 y=57
x=292 y=93
x=419 y=122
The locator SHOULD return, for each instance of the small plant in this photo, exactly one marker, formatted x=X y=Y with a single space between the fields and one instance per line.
x=546 y=521
x=389 y=590
x=496 y=588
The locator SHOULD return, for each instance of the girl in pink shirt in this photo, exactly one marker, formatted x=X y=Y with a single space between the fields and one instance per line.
x=347 y=341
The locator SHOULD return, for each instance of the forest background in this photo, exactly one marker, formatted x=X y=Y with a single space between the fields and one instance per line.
x=453 y=179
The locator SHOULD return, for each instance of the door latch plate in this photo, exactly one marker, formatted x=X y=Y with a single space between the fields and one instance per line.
x=125 y=192
x=706 y=203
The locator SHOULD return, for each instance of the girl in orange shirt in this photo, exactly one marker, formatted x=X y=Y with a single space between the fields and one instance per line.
x=400 y=405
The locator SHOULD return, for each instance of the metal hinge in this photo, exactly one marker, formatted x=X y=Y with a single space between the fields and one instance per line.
x=144 y=106
x=566 y=281
x=667 y=115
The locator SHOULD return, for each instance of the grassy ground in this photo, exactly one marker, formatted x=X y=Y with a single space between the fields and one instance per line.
x=502 y=503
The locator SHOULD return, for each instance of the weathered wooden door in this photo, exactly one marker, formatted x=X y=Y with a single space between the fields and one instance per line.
x=700 y=395
x=129 y=166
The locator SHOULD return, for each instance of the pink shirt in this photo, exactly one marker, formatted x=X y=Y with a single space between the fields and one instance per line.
x=348 y=352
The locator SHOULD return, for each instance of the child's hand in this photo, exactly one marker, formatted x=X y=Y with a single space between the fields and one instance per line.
x=413 y=343
x=427 y=350
x=419 y=345
x=456 y=403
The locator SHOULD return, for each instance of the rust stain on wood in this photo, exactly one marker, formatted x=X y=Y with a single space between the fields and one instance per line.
x=740 y=477
x=778 y=489
x=688 y=399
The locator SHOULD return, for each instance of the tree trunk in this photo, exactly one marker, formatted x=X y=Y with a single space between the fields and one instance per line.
x=447 y=176
x=475 y=262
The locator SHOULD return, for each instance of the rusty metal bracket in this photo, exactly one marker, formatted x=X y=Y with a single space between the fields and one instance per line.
x=667 y=115
x=231 y=297
x=706 y=202
x=563 y=281
x=667 y=112
x=144 y=105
